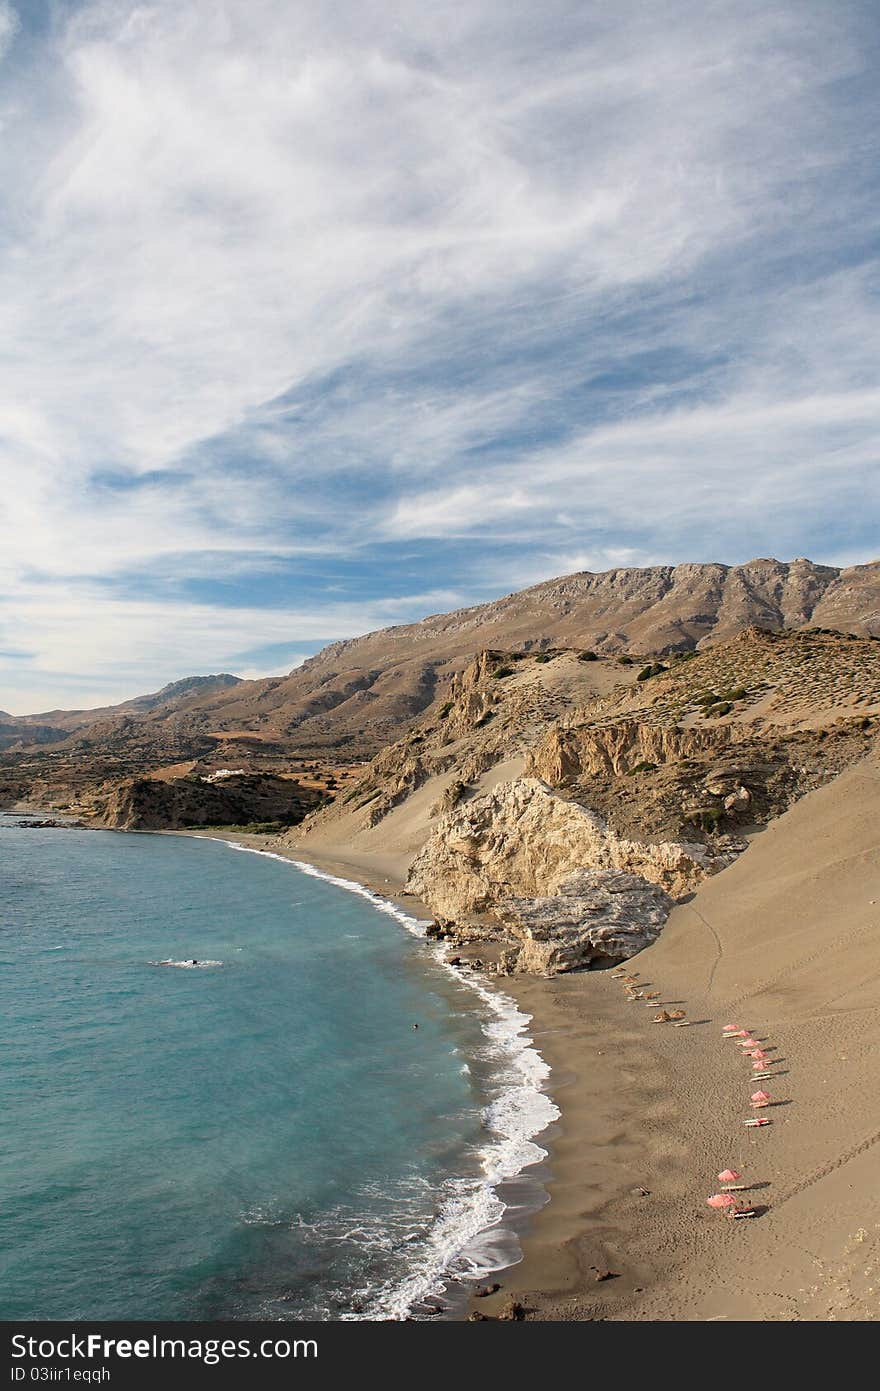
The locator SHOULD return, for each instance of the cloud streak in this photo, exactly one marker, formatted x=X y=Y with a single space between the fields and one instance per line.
x=367 y=299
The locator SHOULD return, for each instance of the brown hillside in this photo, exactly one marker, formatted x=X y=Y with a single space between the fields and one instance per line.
x=356 y=697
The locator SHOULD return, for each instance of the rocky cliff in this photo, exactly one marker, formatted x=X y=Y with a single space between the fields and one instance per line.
x=597 y=916
x=552 y=871
x=628 y=800
x=143 y=804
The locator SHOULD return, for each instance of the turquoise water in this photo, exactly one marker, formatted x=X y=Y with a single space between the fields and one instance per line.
x=264 y=1137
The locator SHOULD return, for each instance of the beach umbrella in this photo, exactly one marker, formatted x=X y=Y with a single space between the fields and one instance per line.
x=757 y=1053
x=740 y=1033
x=731 y=1029
x=721 y=1200
x=761 y=1065
x=749 y=1043
x=760 y=1098
x=729 y=1176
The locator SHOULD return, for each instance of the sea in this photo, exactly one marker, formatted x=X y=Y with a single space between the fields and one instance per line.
x=236 y=1088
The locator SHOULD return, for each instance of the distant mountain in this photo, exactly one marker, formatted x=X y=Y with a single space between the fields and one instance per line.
x=356 y=696
x=53 y=726
x=178 y=691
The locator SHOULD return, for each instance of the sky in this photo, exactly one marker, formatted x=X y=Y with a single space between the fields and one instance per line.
x=322 y=315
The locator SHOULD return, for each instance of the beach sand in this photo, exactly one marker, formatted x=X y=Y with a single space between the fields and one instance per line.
x=786 y=943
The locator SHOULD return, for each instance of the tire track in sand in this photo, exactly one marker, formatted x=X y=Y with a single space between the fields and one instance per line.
x=818 y=1174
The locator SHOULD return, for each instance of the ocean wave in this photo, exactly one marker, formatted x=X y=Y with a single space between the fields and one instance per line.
x=465 y=1240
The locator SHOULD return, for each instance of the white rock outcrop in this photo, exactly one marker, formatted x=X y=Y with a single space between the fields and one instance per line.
x=523 y=840
x=553 y=873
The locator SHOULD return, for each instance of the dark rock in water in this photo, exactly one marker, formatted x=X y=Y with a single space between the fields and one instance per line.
x=429 y=1307
x=483 y=1291
x=453 y=961
x=50 y=825
x=512 y=1310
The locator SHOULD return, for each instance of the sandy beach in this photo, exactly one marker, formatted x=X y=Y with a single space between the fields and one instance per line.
x=783 y=944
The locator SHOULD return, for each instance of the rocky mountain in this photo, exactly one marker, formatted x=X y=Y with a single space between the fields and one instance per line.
x=355 y=697
x=54 y=726
x=548 y=772
x=555 y=802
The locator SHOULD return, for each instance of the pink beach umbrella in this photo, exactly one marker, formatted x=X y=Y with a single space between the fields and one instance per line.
x=757 y=1053
x=749 y=1042
x=760 y=1065
x=730 y=1029
x=721 y=1200
x=760 y=1098
x=729 y=1176
x=738 y=1033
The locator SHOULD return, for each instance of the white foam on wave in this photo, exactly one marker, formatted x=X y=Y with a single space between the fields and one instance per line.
x=466 y=1240
x=187 y=965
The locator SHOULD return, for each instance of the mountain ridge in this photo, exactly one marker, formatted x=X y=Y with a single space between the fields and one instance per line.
x=358 y=695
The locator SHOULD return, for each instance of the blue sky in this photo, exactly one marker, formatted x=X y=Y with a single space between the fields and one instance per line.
x=322 y=317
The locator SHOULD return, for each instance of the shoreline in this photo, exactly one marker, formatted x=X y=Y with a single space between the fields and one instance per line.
x=610 y=1081
x=784 y=944
x=594 y=1154
x=556 y=1235
x=524 y=1192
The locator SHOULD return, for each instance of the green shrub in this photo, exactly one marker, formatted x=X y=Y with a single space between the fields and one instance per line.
x=721 y=697
x=588 y=657
x=708 y=819
x=625 y=661
x=644 y=767
x=542 y=657
x=444 y=710
x=502 y=671
x=654 y=669
x=714 y=712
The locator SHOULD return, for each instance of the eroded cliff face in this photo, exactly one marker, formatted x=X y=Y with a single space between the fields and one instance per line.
x=620 y=748
x=515 y=851
x=492 y=711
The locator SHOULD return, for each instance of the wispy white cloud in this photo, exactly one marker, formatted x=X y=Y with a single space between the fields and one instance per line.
x=285 y=287
x=63 y=659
